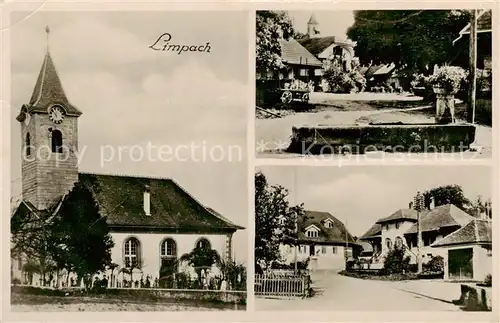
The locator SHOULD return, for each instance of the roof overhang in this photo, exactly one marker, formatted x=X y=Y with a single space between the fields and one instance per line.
x=466 y=29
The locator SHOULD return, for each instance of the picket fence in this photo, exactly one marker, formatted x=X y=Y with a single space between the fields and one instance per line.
x=269 y=285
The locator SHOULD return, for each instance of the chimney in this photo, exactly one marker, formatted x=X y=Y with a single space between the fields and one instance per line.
x=410 y=205
x=147 y=200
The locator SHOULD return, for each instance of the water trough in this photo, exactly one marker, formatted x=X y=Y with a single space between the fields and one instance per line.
x=387 y=137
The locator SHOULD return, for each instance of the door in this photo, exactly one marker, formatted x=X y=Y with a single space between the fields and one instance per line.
x=460 y=264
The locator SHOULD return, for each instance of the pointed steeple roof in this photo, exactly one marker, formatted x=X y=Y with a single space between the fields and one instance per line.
x=49 y=91
x=312 y=20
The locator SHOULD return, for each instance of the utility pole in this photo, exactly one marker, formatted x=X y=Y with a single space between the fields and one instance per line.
x=296 y=227
x=419 y=207
x=295 y=249
x=471 y=111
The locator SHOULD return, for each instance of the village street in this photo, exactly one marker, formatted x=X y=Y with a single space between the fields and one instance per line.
x=334 y=292
x=273 y=134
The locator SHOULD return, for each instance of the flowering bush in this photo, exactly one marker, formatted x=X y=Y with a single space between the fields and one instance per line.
x=336 y=80
x=449 y=78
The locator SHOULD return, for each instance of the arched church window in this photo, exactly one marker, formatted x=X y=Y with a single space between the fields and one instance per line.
x=28 y=144
x=168 y=258
x=169 y=248
x=57 y=141
x=132 y=253
x=203 y=244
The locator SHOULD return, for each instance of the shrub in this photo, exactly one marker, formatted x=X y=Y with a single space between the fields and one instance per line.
x=340 y=81
x=16 y=281
x=449 y=78
x=435 y=265
x=396 y=262
x=183 y=280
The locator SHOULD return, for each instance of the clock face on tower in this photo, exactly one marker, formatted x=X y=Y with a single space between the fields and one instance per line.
x=56 y=114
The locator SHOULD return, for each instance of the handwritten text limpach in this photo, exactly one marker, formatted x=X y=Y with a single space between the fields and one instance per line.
x=163 y=44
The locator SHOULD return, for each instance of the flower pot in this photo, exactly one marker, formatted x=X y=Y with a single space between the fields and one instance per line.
x=445 y=105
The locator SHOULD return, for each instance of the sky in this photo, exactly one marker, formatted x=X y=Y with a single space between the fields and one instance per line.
x=360 y=195
x=330 y=23
x=132 y=95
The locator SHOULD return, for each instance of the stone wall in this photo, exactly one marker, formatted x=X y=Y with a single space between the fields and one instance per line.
x=234 y=297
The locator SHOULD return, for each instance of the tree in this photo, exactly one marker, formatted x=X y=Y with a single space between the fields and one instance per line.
x=413 y=40
x=201 y=258
x=454 y=194
x=275 y=221
x=31 y=237
x=480 y=206
x=448 y=194
x=81 y=242
x=271 y=26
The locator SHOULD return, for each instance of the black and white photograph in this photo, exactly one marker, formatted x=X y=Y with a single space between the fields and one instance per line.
x=129 y=180
x=368 y=238
x=374 y=84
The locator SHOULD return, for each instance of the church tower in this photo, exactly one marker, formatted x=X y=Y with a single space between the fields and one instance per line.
x=312 y=26
x=49 y=133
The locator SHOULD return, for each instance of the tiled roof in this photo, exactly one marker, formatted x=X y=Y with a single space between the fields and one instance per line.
x=483 y=23
x=476 y=231
x=317 y=45
x=375 y=230
x=402 y=214
x=447 y=215
x=48 y=91
x=292 y=52
x=338 y=234
x=120 y=200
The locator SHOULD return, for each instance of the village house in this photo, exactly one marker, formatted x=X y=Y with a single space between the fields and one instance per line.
x=328 y=48
x=324 y=240
x=388 y=233
x=444 y=229
x=436 y=224
x=152 y=221
x=467 y=252
x=300 y=64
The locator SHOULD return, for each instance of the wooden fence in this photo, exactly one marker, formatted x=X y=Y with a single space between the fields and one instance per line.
x=282 y=286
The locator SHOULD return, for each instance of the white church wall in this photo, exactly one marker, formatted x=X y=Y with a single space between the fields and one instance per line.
x=151 y=247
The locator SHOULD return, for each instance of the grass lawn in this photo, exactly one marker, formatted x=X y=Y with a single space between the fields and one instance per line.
x=44 y=303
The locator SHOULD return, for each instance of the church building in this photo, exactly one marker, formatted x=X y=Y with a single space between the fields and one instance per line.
x=152 y=221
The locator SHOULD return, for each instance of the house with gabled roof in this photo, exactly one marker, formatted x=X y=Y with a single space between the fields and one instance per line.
x=329 y=47
x=323 y=239
x=436 y=224
x=388 y=233
x=152 y=221
x=468 y=251
x=484 y=40
x=299 y=64
x=400 y=230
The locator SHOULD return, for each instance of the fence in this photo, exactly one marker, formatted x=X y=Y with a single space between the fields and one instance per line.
x=282 y=286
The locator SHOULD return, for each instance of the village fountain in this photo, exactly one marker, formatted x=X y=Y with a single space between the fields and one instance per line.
x=444 y=135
